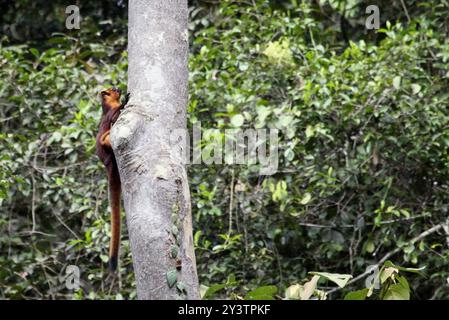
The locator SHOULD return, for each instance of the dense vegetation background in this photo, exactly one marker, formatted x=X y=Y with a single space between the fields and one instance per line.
x=364 y=150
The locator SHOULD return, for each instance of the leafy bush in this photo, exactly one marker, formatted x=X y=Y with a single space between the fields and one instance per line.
x=53 y=192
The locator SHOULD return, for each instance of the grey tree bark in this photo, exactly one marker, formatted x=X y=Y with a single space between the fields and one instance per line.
x=154 y=180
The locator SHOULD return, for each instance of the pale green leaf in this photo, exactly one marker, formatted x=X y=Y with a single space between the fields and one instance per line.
x=397 y=292
x=171 y=277
x=340 y=279
x=397 y=82
x=306 y=199
x=237 y=120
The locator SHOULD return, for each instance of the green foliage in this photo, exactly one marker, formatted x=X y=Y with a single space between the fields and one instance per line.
x=229 y=285
x=37 y=20
x=53 y=190
x=392 y=286
x=364 y=144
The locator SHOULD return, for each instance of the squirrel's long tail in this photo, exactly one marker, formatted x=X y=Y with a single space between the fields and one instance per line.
x=114 y=198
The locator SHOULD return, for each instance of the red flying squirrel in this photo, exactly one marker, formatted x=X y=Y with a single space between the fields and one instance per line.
x=110 y=101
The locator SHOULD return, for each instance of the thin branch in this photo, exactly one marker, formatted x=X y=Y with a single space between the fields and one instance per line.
x=406 y=11
x=31 y=232
x=446 y=230
x=33 y=198
x=330 y=226
x=65 y=225
x=231 y=205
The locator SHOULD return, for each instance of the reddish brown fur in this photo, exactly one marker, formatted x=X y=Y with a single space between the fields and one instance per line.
x=111 y=110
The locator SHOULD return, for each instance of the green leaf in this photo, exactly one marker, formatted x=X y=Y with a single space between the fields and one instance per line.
x=357 y=295
x=263 y=113
x=397 y=292
x=340 y=279
x=306 y=199
x=196 y=238
x=403 y=281
x=369 y=246
x=387 y=273
x=262 y=293
x=416 y=88
x=310 y=131
x=56 y=137
x=213 y=289
x=35 y=52
x=285 y=120
x=181 y=287
x=171 y=277
x=397 y=82
x=237 y=120
x=243 y=66
x=174 y=251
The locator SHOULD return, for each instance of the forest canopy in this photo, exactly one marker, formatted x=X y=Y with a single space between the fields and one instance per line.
x=363 y=171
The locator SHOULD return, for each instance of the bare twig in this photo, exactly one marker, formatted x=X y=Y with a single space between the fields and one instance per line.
x=65 y=225
x=231 y=205
x=330 y=226
x=33 y=199
x=406 y=11
x=446 y=230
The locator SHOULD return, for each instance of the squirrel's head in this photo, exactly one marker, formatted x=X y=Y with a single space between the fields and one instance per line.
x=111 y=97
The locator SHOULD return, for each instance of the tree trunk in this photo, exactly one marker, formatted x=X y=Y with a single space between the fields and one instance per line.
x=154 y=180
